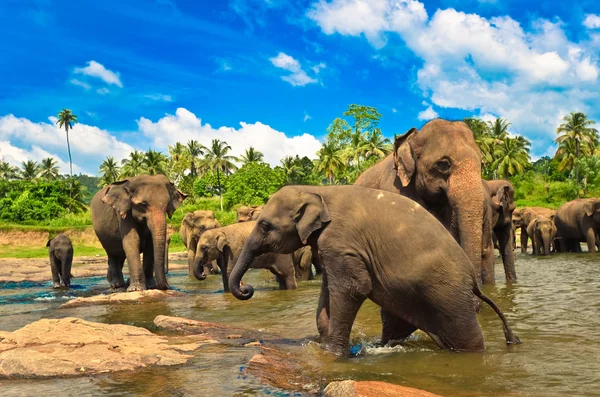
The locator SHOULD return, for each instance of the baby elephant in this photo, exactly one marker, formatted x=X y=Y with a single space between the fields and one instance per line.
x=60 y=250
x=542 y=232
x=225 y=244
x=366 y=242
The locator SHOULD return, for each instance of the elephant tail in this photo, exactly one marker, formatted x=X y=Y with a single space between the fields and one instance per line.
x=511 y=338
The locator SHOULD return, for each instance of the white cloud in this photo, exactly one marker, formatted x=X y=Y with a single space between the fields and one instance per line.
x=15 y=156
x=394 y=110
x=159 y=97
x=95 y=69
x=184 y=125
x=306 y=117
x=81 y=84
x=319 y=67
x=592 y=21
x=427 y=114
x=103 y=91
x=298 y=76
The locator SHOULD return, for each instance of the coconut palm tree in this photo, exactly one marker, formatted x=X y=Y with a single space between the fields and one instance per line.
x=195 y=150
x=7 y=171
x=498 y=128
x=288 y=163
x=154 y=162
x=218 y=160
x=109 y=172
x=477 y=126
x=48 y=169
x=134 y=165
x=67 y=119
x=77 y=196
x=376 y=145
x=512 y=156
x=29 y=170
x=252 y=156
x=330 y=161
x=577 y=130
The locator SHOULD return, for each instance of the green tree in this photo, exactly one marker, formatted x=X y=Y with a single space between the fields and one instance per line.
x=590 y=171
x=7 y=171
x=512 y=156
x=253 y=184
x=219 y=161
x=67 y=119
x=155 y=163
x=195 y=150
x=109 y=172
x=29 y=170
x=376 y=145
x=208 y=185
x=330 y=161
x=479 y=127
x=133 y=165
x=49 y=169
x=498 y=128
x=178 y=163
x=252 y=156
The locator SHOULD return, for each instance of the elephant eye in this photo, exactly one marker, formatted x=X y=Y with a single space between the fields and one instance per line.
x=443 y=165
x=203 y=247
x=265 y=226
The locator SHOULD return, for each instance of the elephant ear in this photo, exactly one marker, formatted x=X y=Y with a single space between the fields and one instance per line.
x=177 y=198
x=48 y=243
x=221 y=241
x=118 y=196
x=188 y=219
x=311 y=216
x=589 y=208
x=404 y=160
x=502 y=197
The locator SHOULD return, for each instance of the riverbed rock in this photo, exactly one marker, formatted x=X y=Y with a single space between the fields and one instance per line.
x=72 y=347
x=187 y=326
x=350 y=388
x=151 y=295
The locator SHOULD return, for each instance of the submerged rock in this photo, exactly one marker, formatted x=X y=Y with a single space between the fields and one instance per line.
x=151 y=295
x=350 y=388
x=187 y=326
x=72 y=346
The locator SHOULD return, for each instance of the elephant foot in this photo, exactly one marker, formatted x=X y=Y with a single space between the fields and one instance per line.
x=136 y=287
x=151 y=283
x=56 y=285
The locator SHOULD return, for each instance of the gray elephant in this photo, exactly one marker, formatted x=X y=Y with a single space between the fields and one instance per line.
x=366 y=241
x=248 y=213
x=303 y=264
x=192 y=226
x=502 y=201
x=439 y=167
x=225 y=244
x=60 y=251
x=522 y=217
x=542 y=232
x=129 y=219
x=578 y=221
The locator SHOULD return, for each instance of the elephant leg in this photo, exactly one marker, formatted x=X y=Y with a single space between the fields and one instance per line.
x=524 y=238
x=115 y=271
x=590 y=236
x=506 y=251
x=65 y=269
x=54 y=267
x=131 y=246
x=191 y=254
x=394 y=328
x=148 y=264
x=488 y=264
x=222 y=261
x=289 y=281
x=323 y=310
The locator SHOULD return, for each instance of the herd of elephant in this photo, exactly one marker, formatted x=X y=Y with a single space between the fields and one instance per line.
x=415 y=235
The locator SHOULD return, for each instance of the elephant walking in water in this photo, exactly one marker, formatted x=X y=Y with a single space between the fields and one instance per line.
x=542 y=232
x=129 y=219
x=373 y=245
x=578 y=221
x=60 y=251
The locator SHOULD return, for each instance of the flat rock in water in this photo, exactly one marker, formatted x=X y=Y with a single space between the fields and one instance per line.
x=350 y=388
x=72 y=346
x=187 y=326
x=151 y=295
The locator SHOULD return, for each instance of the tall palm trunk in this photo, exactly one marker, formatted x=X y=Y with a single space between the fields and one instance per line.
x=70 y=166
x=577 y=165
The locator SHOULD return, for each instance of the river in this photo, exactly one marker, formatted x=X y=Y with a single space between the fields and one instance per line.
x=554 y=308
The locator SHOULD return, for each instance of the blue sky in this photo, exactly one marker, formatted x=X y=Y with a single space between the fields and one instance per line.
x=275 y=73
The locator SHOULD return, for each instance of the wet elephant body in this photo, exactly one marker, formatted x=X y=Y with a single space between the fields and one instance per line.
x=192 y=226
x=60 y=251
x=224 y=246
x=366 y=242
x=578 y=221
x=129 y=218
x=542 y=232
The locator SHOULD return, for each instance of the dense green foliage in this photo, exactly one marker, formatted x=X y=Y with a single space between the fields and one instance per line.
x=253 y=184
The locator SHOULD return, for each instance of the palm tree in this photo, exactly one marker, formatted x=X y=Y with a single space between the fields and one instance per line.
x=512 y=156
x=48 y=169
x=498 y=128
x=155 y=162
x=77 y=195
x=477 y=126
x=195 y=150
x=29 y=170
x=67 y=120
x=218 y=161
x=288 y=163
x=7 y=171
x=134 y=165
x=109 y=171
x=577 y=130
x=252 y=156
x=330 y=161
x=376 y=145
x=357 y=148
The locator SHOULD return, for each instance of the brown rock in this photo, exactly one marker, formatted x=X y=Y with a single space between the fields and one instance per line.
x=350 y=388
x=71 y=346
x=151 y=295
x=193 y=327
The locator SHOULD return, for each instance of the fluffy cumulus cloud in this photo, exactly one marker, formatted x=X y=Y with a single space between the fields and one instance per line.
x=95 y=69
x=298 y=76
x=592 y=21
x=23 y=140
x=428 y=113
x=184 y=125
x=483 y=65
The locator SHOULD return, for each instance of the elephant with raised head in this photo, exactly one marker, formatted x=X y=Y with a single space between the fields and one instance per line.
x=192 y=226
x=373 y=245
x=502 y=201
x=522 y=217
x=439 y=167
x=578 y=221
x=129 y=219
x=60 y=251
x=248 y=213
x=542 y=232
x=224 y=246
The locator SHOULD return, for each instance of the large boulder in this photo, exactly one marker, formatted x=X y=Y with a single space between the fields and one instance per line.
x=72 y=346
x=151 y=295
x=350 y=388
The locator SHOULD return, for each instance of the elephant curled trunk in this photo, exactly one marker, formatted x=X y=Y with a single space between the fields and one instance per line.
x=249 y=252
x=198 y=267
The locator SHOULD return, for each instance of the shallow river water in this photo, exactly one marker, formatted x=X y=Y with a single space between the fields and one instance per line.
x=554 y=308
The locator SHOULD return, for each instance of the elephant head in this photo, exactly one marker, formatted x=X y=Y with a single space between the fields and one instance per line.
x=245 y=213
x=285 y=225
x=503 y=203
x=592 y=209
x=527 y=216
x=146 y=199
x=198 y=222
x=212 y=244
x=441 y=164
x=547 y=230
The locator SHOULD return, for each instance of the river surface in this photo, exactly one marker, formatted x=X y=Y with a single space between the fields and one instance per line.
x=554 y=308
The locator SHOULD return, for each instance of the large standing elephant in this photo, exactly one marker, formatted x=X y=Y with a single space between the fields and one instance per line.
x=225 y=244
x=129 y=219
x=522 y=217
x=377 y=245
x=192 y=226
x=578 y=221
x=502 y=201
x=542 y=232
x=439 y=167
x=246 y=213
x=60 y=251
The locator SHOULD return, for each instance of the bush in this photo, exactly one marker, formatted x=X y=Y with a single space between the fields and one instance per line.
x=208 y=186
x=253 y=184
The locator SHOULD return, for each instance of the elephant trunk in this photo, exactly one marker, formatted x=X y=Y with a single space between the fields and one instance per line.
x=249 y=252
x=157 y=224
x=197 y=265
x=546 y=239
x=66 y=262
